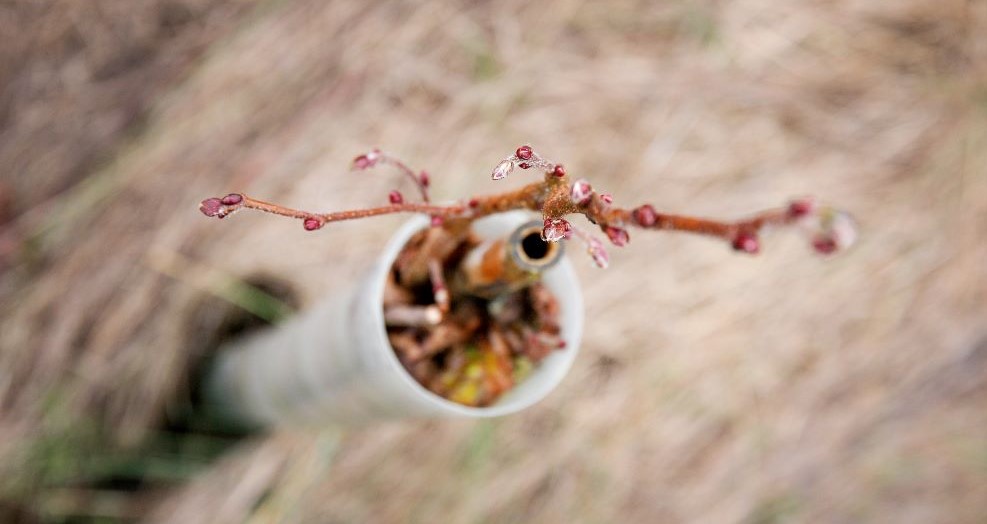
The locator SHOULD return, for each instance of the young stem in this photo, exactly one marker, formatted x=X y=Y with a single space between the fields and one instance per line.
x=556 y=197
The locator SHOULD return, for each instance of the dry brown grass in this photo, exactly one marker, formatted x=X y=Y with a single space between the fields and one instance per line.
x=711 y=387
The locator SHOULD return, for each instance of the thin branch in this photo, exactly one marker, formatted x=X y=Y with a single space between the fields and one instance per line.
x=556 y=197
x=376 y=156
x=524 y=198
x=439 y=289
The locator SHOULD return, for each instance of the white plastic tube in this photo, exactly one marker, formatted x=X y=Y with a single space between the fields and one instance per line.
x=333 y=365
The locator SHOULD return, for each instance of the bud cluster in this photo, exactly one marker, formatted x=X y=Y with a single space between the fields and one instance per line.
x=555 y=229
x=525 y=158
x=221 y=207
x=829 y=230
x=581 y=192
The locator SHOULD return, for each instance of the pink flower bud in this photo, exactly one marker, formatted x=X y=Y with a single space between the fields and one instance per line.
x=801 y=207
x=366 y=161
x=232 y=199
x=607 y=198
x=581 y=192
x=600 y=256
x=424 y=179
x=524 y=152
x=645 y=216
x=474 y=203
x=746 y=242
x=558 y=171
x=502 y=170
x=395 y=197
x=843 y=228
x=618 y=236
x=524 y=165
x=824 y=245
x=555 y=229
x=437 y=221
x=311 y=224
x=211 y=207
x=839 y=232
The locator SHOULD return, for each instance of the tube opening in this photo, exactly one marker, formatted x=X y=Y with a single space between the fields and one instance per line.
x=534 y=247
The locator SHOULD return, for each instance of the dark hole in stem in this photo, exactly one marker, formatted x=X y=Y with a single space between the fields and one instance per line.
x=534 y=247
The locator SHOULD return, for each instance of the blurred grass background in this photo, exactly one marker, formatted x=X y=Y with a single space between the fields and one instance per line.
x=711 y=387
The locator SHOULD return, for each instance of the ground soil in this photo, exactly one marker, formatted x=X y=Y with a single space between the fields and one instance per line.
x=711 y=387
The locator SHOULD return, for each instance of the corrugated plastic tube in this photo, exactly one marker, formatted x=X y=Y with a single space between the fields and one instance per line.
x=334 y=366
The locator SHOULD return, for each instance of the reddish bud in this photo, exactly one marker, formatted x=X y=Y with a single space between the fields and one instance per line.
x=311 y=224
x=836 y=231
x=232 y=199
x=558 y=171
x=800 y=208
x=366 y=161
x=841 y=227
x=395 y=197
x=645 y=216
x=524 y=152
x=824 y=245
x=424 y=179
x=618 y=236
x=474 y=203
x=581 y=192
x=211 y=207
x=437 y=221
x=555 y=229
x=524 y=165
x=746 y=242
x=607 y=198
x=600 y=256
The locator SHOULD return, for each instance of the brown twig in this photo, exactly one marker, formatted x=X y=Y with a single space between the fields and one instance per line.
x=395 y=294
x=376 y=156
x=439 y=289
x=433 y=243
x=412 y=316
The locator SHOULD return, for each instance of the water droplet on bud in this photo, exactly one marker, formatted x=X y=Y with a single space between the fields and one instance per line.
x=555 y=229
x=502 y=170
x=581 y=192
x=211 y=207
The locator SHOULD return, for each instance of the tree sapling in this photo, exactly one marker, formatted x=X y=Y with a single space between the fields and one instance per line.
x=467 y=316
